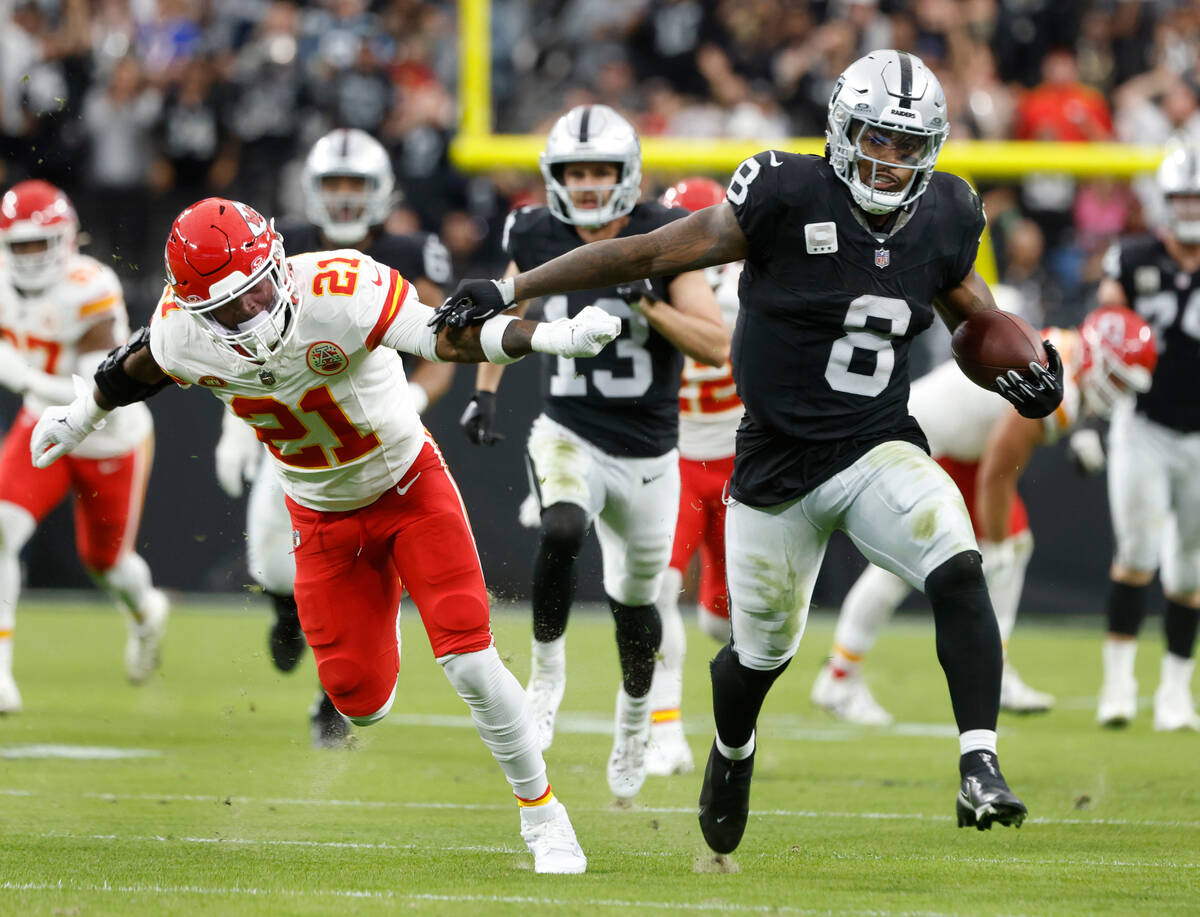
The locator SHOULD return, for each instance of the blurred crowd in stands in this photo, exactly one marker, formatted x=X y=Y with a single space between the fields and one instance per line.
x=138 y=107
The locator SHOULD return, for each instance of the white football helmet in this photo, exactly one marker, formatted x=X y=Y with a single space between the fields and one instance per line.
x=1179 y=181
x=592 y=133
x=346 y=217
x=884 y=97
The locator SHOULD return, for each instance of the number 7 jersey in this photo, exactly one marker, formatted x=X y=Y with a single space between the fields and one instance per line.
x=333 y=406
x=828 y=311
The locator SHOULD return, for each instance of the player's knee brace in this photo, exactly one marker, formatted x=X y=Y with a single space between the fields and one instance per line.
x=359 y=694
x=639 y=633
x=738 y=694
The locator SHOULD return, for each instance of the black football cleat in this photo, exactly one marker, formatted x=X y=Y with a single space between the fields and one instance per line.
x=725 y=800
x=329 y=728
x=984 y=798
x=286 y=639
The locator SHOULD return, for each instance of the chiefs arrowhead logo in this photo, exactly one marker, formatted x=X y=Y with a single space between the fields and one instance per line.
x=254 y=220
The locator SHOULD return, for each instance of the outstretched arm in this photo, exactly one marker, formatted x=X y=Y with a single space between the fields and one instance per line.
x=706 y=237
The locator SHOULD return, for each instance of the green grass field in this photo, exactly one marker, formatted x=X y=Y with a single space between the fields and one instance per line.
x=228 y=810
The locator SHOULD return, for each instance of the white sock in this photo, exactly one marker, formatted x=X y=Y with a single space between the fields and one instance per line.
x=867 y=608
x=6 y=653
x=1119 y=658
x=501 y=717
x=737 y=754
x=977 y=740
x=128 y=582
x=549 y=659
x=1177 y=671
x=666 y=690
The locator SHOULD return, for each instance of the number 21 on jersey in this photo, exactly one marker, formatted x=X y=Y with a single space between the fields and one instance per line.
x=289 y=428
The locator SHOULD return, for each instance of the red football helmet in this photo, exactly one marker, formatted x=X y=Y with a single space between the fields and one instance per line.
x=36 y=211
x=693 y=194
x=219 y=249
x=1119 y=357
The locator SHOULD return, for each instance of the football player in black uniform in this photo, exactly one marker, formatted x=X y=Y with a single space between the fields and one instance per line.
x=846 y=258
x=604 y=446
x=349 y=190
x=1154 y=454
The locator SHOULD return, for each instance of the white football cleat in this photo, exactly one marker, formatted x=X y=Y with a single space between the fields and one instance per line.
x=1118 y=702
x=1018 y=697
x=668 y=752
x=1174 y=709
x=545 y=695
x=550 y=837
x=626 y=770
x=848 y=698
x=10 y=697
x=145 y=637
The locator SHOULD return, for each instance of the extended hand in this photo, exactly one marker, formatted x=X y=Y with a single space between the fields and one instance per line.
x=1039 y=390
x=63 y=427
x=585 y=335
x=634 y=293
x=473 y=302
x=478 y=421
x=238 y=456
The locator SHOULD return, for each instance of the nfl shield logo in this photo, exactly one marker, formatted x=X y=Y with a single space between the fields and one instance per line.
x=883 y=257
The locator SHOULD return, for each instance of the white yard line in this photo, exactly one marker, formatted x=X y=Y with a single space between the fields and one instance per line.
x=1036 y=861
x=573 y=903
x=606 y=810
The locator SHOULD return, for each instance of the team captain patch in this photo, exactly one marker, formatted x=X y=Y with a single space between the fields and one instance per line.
x=820 y=238
x=327 y=358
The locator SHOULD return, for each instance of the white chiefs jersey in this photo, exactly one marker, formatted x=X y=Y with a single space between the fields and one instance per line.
x=47 y=327
x=958 y=416
x=332 y=405
x=709 y=408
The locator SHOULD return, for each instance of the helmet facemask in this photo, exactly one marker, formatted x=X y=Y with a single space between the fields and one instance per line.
x=266 y=333
x=32 y=268
x=1104 y=380
x=1183 y=216
x=616 y=199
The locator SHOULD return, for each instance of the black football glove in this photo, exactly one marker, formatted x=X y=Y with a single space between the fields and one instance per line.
x=479 y=420
x=1037 y=392
x=473 y=302
x=633 y=293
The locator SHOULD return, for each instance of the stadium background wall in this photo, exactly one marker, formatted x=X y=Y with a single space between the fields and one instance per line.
x=193 y=535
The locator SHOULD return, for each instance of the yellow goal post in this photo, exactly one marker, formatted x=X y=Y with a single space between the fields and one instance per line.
x=475 y=148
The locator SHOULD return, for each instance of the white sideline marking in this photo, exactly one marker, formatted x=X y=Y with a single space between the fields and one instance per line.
x=572 y=903
x=606 y=810
x=784 y=727
x=76 y=752
x=664 y=854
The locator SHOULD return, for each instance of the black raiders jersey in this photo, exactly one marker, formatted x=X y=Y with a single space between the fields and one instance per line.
x=624 y=400
x=417 y=256
x=828 y=311
x=1169 y=300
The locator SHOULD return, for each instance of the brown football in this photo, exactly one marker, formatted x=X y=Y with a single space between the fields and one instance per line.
x=988 y=344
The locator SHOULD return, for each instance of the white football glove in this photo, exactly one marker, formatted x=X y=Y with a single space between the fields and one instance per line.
x=63 y=427
x=1087 y=450
x=585 y=335
x=530 y=513
x=238 y=454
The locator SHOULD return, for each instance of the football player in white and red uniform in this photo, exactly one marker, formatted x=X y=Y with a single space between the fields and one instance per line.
x=709 y=414
x=305 y=351
x=984 y=445
x=349 y=190
x=60 y=312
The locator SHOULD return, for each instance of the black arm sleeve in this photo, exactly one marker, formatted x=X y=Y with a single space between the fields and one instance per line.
x=117 y=386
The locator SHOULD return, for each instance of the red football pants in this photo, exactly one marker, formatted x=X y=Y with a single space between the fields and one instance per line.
x=349 y=570
x=964 y=475
x=701 y=525
x=109 y=492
